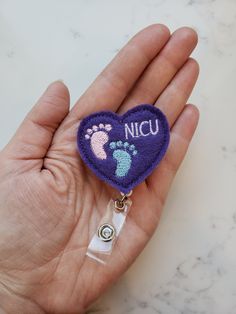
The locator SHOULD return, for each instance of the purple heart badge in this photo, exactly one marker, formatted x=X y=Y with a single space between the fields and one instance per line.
x=124 y=150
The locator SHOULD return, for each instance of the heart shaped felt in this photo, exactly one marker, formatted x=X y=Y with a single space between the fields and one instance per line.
x=124 y=150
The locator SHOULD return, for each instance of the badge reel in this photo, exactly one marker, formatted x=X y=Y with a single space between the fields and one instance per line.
x=122 y=151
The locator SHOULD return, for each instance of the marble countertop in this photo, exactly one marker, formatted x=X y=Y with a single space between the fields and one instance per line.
x=189 y=266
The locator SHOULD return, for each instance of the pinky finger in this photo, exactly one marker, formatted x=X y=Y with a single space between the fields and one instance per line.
x=181 y=135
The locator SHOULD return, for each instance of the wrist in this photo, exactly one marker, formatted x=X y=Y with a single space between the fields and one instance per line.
x=11 y=303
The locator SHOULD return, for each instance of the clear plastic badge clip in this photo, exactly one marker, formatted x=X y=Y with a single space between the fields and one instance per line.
x=110 y=226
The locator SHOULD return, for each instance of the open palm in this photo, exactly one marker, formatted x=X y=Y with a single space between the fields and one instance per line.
x=50 y=202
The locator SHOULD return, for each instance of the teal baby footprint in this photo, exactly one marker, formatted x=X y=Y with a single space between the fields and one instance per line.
x=123 y=154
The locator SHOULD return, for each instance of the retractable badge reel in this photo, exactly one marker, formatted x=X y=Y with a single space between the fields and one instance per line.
x=122 y=151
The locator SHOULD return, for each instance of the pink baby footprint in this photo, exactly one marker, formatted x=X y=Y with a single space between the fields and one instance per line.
x=98 y=136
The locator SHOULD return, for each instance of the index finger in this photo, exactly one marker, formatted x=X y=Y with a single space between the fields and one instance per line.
x=112 y=85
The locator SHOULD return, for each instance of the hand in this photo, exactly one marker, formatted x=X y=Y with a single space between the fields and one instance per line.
x=49 y=200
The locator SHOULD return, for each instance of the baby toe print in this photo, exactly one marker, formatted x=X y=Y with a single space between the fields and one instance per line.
x=98 y=136
x=123 y=154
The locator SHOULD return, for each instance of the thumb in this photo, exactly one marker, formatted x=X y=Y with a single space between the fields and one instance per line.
x=33 y=138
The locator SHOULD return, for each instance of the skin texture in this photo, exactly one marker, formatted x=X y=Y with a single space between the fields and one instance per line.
x=50 y=201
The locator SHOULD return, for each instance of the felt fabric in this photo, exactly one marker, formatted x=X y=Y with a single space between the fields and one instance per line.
x=124 y=150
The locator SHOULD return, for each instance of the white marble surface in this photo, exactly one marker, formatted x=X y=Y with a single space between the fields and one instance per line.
x=190 y=264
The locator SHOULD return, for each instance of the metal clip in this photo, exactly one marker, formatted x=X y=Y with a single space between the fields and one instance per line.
x=110 y=226
x=106 y=232
x=120 y=203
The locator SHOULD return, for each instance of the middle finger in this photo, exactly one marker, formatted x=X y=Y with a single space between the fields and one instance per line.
x=162 y=69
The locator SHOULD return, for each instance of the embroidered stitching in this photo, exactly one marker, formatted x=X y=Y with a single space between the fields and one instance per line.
x=98 y=136
x=123 y=154
x=153 y=163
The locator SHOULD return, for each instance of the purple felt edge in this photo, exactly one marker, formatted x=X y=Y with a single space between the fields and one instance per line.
x=125 y=189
